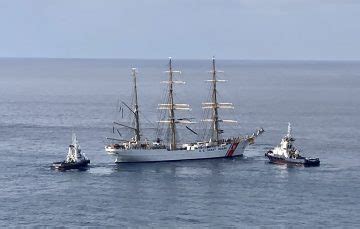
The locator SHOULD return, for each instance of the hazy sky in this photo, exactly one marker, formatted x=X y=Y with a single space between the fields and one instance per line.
x=229 y=29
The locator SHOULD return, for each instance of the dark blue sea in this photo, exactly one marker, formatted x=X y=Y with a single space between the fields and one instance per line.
x=42 y=101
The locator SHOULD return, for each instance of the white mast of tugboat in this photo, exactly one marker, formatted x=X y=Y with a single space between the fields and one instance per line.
x=289 y=130
x=75 y=142
x=215 y=105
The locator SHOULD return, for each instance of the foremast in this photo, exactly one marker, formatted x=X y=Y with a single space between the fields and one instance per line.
x=214 y=105
x=171 y=106
x=215 y=113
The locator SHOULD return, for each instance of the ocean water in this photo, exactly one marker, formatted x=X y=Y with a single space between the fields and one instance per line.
x=42 y=101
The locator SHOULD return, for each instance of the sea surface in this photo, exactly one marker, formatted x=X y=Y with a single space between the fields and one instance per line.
x=42 y=101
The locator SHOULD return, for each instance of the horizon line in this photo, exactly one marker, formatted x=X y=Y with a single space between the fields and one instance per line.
x=181 y=59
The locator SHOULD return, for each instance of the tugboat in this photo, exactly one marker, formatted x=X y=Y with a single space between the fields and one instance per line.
x=286 y=153
x=74 y=159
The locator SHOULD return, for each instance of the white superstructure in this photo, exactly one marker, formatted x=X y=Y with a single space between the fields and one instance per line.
x=74 y=153
x=286 y=153
x=286 y=148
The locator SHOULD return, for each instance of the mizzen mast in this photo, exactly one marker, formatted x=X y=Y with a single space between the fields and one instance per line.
x=136 y=107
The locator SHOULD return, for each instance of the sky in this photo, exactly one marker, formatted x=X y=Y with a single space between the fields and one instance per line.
x=183 y=29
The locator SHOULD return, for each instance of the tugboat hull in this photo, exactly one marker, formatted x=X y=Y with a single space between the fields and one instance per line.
x=302 y=161
x=62 y=165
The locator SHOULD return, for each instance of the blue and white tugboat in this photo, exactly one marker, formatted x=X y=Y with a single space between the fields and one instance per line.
x=74 y=159
x=286 y=153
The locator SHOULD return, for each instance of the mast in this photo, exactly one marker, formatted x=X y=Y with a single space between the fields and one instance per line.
x=171 y=111
x=136 y=108
x=75 y=142
x=289 y=130
x=215 y=113
x=171 y=106
x=214 y=105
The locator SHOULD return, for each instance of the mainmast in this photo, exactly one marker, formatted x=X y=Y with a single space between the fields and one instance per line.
x=171 y=107
x=136 y=108
x=214 y=105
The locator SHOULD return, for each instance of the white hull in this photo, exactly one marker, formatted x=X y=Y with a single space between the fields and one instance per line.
x=157 y=155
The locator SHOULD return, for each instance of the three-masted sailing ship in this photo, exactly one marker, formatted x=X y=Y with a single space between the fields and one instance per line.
x=141 y=150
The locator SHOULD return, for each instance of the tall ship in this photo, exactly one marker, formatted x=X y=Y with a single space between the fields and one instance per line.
x=138 y=149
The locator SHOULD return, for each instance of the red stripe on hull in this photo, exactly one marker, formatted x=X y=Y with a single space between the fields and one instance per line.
x=231 y=150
